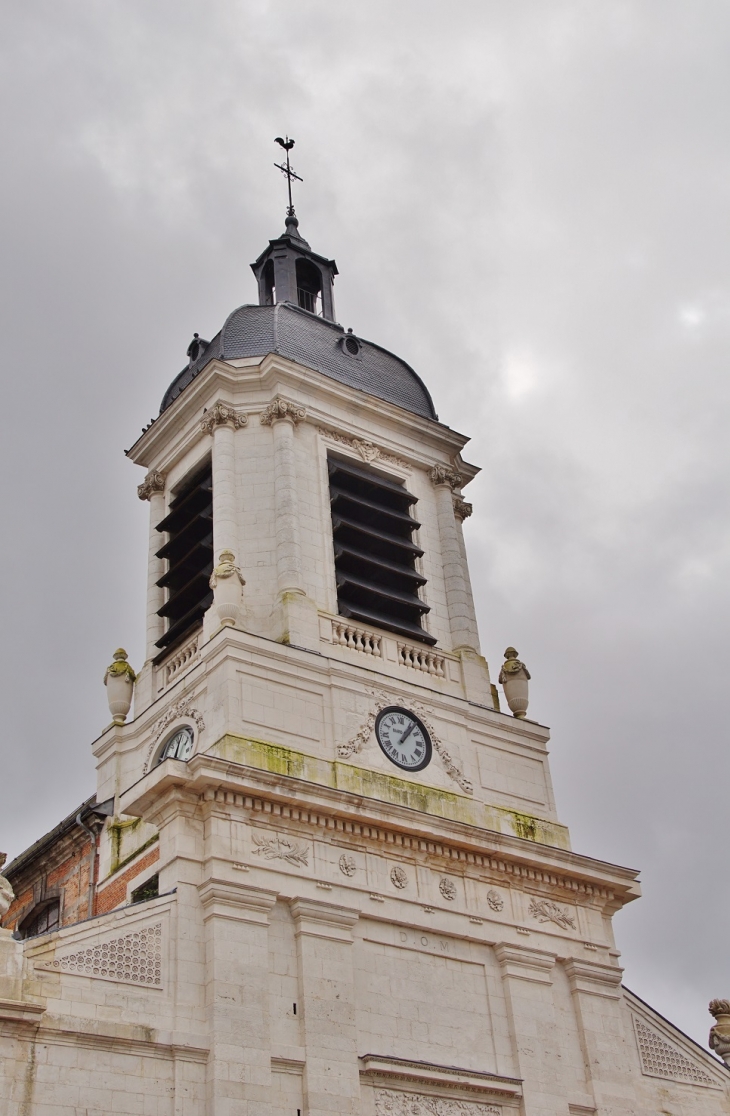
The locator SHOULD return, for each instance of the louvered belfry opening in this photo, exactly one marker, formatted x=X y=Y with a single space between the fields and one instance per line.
x=189 y=554
x=375 y=556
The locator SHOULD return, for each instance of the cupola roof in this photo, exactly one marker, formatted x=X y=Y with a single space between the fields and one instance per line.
x=301 y=336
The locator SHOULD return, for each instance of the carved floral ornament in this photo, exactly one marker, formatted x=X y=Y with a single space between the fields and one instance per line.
x=441 y=474
x=280 y=408
x=462 y=509
x=390 y=1103
x=363 y=734
x=183 y=707
x=281 y=848
x=544 y=910
x=398 y=877
x=222 y=414
x=368 y=450
x=153 y=482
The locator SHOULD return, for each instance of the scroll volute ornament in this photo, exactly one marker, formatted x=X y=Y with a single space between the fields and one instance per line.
x=514 y=677
x=227 y=583
x=280 y=408
x=119 y=680
x=720 y=1034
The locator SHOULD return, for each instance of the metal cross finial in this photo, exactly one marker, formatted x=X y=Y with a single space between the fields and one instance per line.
x=287 y=170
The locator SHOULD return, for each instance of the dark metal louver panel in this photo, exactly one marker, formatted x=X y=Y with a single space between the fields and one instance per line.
x=372 y=526
x=189 y=554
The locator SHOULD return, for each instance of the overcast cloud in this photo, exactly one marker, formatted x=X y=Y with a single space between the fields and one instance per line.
x=528 y=201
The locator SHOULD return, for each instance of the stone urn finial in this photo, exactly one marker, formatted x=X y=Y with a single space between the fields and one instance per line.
x=6 y=892
x=119 y=680
x=514 y=677
x=227 y=583
x=719 y=1040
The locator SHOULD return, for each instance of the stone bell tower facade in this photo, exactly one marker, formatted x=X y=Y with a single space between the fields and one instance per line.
x=362 y=900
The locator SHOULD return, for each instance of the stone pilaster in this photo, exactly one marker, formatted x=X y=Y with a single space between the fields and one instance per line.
x=459 y=601
x=327 y=983
x=527 y=977
x=236 y=920
x=153 y=489
x=596 y=992
x=222 y=421
x=299 y=615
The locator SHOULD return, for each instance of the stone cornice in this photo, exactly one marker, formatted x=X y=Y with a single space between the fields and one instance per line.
x=383 y=1070
x=242 y=380
x=538 y=868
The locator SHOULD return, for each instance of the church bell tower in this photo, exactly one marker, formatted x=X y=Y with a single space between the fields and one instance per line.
x=323 y=873
x=364 y=903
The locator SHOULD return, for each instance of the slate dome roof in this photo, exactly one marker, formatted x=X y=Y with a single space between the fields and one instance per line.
x=315 y=343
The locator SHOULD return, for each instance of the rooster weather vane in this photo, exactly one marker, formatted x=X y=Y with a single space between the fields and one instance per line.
x=287 y=170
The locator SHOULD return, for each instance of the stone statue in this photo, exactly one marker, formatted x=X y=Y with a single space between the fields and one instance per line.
x=720 y=1034
x=514 y=677
x=226 y=581
x=6 y=892
x=119 y=680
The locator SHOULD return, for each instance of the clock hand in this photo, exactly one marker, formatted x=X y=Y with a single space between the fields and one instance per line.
x=408 y=732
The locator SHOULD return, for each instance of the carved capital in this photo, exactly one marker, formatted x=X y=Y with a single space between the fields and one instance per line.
x=222 y=414
x=462 y=510
x=153 y=482
x=280 y=408
x=440 y=474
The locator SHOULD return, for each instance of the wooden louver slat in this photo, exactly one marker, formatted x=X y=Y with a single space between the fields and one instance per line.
x=189 y=553
x=372 y=527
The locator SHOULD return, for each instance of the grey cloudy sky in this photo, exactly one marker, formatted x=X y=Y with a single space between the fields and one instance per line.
x=528 y=201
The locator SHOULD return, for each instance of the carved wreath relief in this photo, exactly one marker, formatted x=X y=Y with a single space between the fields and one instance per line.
x=398 y=877
x=348 y=867
x=447 y=888
x=495 y=900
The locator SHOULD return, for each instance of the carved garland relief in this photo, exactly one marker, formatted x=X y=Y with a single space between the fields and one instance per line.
x=181 y=708
x=390 y=1103
x=368 y=450
x=363 y=734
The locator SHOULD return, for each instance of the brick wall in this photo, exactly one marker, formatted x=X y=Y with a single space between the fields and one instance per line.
x=114 y=893
x=59 y=872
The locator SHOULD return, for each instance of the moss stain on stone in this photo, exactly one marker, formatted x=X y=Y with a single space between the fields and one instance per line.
x=117 y=830
x=525 y=825
x=252 y=752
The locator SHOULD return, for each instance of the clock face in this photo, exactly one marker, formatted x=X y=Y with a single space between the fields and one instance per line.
x=403 y=738
x=179 y=746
